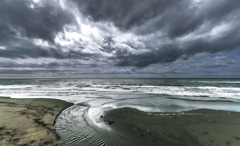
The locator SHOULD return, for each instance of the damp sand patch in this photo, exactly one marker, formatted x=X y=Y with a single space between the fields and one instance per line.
x=29 y=121
x=197 y=127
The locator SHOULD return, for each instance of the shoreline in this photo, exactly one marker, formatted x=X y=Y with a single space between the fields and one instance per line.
x=30 y=121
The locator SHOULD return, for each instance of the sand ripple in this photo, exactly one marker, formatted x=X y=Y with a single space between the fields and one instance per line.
x=74 y=127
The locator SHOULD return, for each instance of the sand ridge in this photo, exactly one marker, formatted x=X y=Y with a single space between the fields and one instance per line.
x=29 y=121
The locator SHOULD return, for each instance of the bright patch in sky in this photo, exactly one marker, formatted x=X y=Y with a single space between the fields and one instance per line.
x=36 y=1
x=2 y=47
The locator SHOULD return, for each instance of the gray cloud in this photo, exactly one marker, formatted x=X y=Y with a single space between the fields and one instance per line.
x=115 y=34
x=23 y=21
x=19 y=19
x=166 y=54
x=126 y=13
x=174 y=20
x=175 y=17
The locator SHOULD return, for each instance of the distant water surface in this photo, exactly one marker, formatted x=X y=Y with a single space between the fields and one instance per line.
x=74 y=89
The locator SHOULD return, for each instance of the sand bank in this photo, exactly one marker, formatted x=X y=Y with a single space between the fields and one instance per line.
x=26 y=122
x=30 y=122
x=192 y=128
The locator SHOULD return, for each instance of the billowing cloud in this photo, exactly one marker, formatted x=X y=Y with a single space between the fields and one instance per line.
x=25 y=18
x=119 y=35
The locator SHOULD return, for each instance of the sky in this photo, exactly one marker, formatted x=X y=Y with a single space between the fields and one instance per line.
x=120 y=38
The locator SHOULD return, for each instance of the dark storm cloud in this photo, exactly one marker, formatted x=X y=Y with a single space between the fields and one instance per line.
x=163 y=55
x=38 y=52
x=115 y=33
x=126 y=13
x=17 y=18
x=20 y=24
x=174 y=19
x=171 y=53
x=34 y=52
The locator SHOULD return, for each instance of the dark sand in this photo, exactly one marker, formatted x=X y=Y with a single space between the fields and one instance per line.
x=29 y=122
x=192 y=128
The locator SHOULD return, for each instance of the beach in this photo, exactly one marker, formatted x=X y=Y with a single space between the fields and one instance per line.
x=26 y=122
x=31 y=122
x=135 y=112
x=201 y=127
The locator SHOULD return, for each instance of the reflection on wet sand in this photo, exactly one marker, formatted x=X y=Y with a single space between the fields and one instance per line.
x=135 y=122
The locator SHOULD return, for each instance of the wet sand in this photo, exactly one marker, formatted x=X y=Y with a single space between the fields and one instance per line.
x=29 y=122
x=201 y=127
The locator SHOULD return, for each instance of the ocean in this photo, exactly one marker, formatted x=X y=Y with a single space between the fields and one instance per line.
x=78 y=90
x=156 y=95
x=93 y=97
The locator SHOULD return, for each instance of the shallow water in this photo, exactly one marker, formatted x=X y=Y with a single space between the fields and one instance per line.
x=81 y=124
